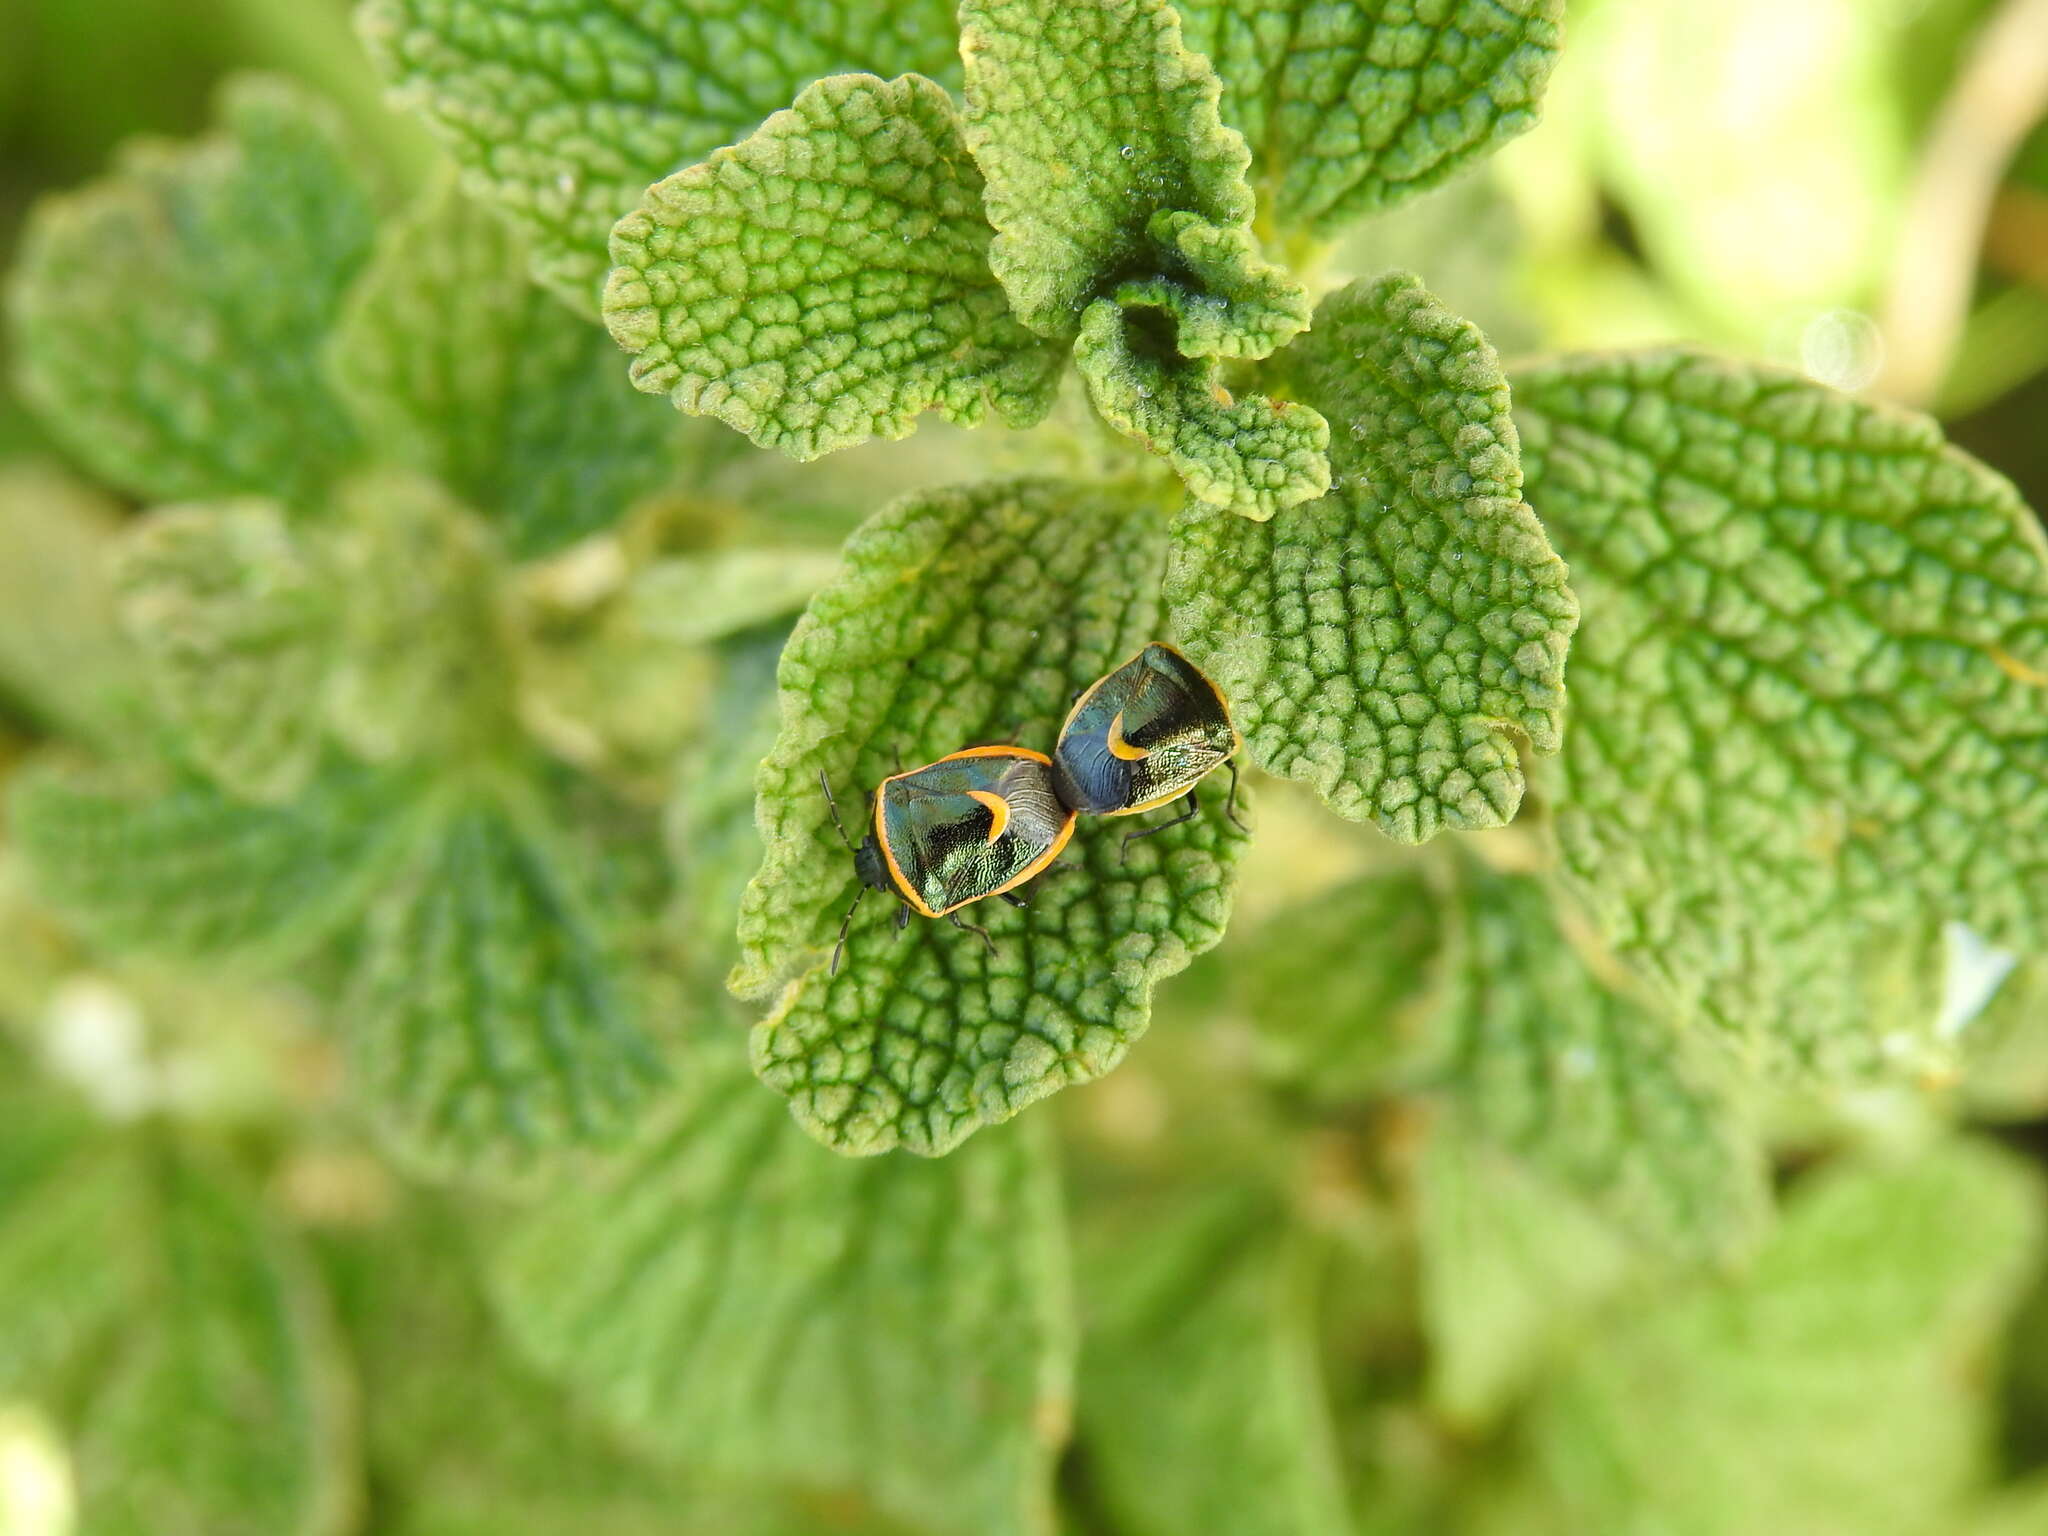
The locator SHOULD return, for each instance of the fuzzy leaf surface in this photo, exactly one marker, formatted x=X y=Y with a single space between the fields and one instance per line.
x=1834 y=1388
x=488 y=1019
x=563 y=114
x=1392 y=643
x=1808 y=704
x=890 y=1331
x=1253 y=455
x=1596 y=1090
x=1106 y=160
x=457 y=366
x=963 y=617
x=1353 y=106
x=235 y=629
x=1202 y=1405
x=826 y=280
x=180 y=868
x=169 y=318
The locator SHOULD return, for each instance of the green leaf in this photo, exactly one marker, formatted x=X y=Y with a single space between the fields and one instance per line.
x=1392 y=644
x=695 y=599
x=225 y=1414
x=1514 y=1268
x=457 y=366
x=1355 y=106
x=1834 y=1388
x=1343 y=987
x=1202 y=1405
x=463 y=1437
x=425 y=669
x=1605 y=1096
x=169 y=318
x=181 y=869
x=1123 y=218
x=826 y=280
x=1107 y=166
x=1807 y=704
x=963 y=617
x=62 y=657
x=893 y=1331
x=563 y=115
x=235 y=628
x=1253 y=456
x=488 y=1017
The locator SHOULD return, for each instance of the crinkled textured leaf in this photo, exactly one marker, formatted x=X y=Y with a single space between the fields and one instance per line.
x=488 y=1017
x=1513 y=1268
x=1343 y=986
x=826 y=280
x=1353 y=106
x=1834 y=1388
x=962 y=617
x=563 y=113
x=181 y=869
x=423 y=669
x=1107 y=164
x=1253 y=455
x=1201 y=1402
x=235 y=628
x=1604 y=1095
x=225 y=1414
x=896 y=1330
x=1386 y=644
x=169 y=318
x=457 y=366
x=1808 y=707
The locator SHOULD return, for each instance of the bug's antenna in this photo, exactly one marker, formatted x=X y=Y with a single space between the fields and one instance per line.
x=833 y=806
x=845 y=923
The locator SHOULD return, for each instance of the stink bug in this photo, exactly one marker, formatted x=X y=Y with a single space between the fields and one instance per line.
x=978 y=823
x=1143 y=735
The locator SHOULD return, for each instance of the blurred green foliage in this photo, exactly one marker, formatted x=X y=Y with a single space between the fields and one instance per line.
x=383 y=683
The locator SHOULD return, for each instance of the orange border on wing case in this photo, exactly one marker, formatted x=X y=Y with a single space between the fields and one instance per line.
x=903 y=887
x=1236 y=736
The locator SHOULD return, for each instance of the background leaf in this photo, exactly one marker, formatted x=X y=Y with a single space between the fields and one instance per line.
x=235 y=628
x=826 y=279
x=563 y=116
x=962 y=617
x=1201 y=1395
x=153 y=338
x=457 y=366
x=1381 y=643
x=1807 y=704
x=895 y=1331
x=1827 y=1390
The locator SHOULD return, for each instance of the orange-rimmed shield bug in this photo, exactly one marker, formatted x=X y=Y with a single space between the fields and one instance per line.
x=1145 y=734
x=974 y=824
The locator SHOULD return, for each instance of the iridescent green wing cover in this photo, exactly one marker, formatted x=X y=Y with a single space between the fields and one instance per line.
x=1147 y=732
x=946 y=847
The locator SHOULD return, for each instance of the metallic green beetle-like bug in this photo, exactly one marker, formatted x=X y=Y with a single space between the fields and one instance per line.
x=1143 y=735
x=973 y=824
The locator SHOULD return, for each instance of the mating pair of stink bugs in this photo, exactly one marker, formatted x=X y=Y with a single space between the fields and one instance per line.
x=981 y=822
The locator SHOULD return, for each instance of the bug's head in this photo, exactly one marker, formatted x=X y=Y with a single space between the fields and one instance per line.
x=867 y=864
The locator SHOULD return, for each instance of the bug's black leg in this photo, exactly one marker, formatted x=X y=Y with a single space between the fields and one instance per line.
x=845 y=923
x=902 y=919
x=896 y=751
x=1194 y=805
x=1014 y=899
x=833 y=806
x=1230 y=805
x=975 y=928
